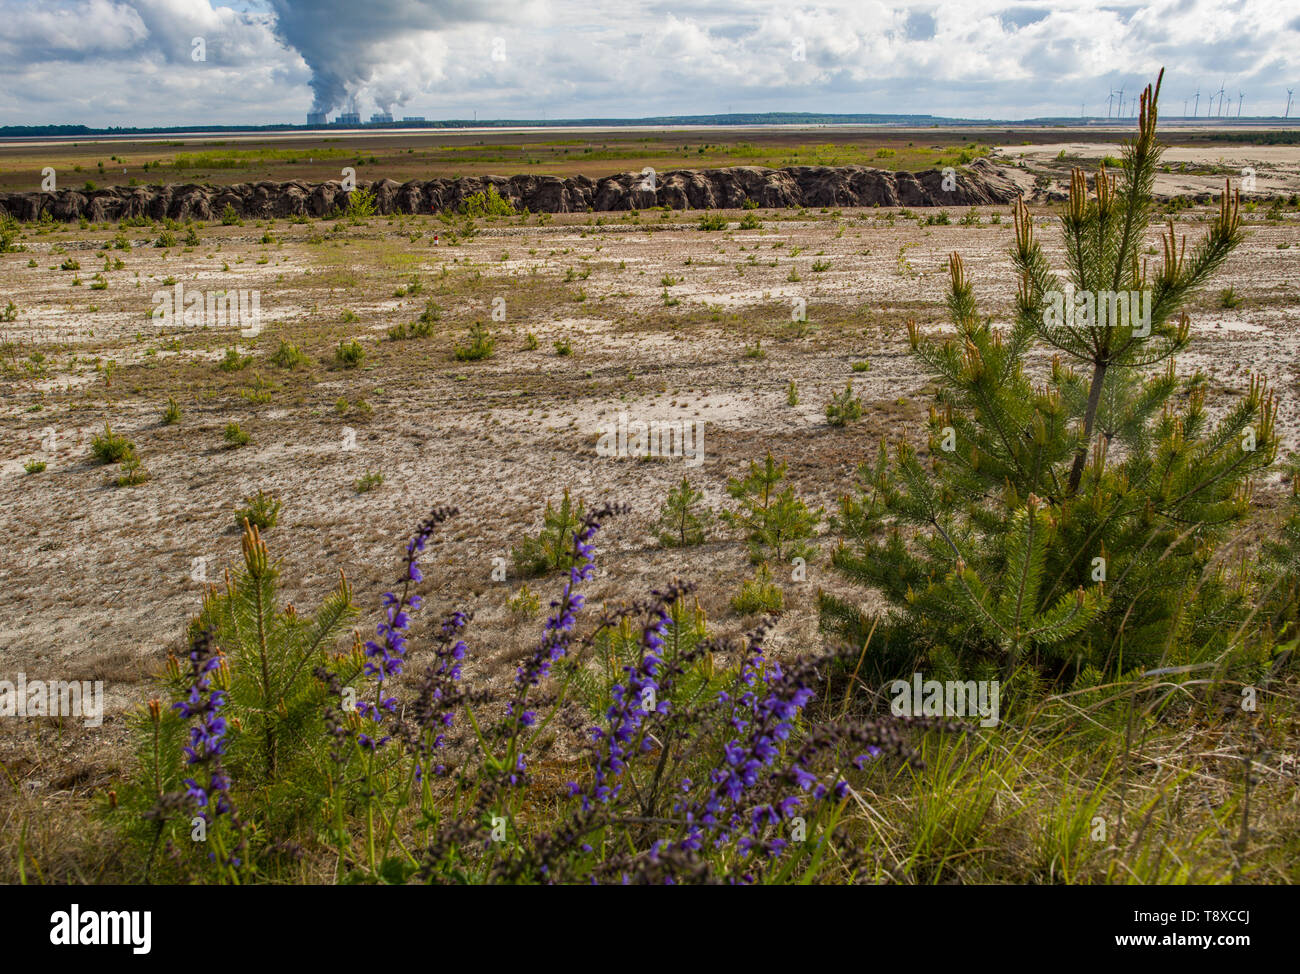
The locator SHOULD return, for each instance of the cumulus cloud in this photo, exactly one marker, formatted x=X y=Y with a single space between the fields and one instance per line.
x=129 y=61
x=346 y=42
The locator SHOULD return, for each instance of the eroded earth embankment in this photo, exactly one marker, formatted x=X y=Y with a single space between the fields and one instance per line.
x=981 y=183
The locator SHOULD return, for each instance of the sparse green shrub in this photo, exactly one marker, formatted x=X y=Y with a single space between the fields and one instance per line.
x=481 y=345
x=34 y=466
x=524 y=603
x=409 y=330
x=759 y=595
x=172 y=412
x=230 y=218
x=234 y=362
x=489 y=203
x=111 y=447
x=260 y=391
x=289 y=356
x=361 y=205
x=776 y=524
x=9 y=231
x=349 y=354
x=261 y=510
x=552 y=549
x=235 y=436
x=684 y=519
x=133 y=472
x=368 y=481
x=713 y=221
x=844 y=407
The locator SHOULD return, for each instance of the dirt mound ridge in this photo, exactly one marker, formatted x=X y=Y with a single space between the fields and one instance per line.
x=980 y=183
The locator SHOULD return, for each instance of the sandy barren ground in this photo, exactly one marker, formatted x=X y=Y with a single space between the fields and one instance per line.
x=97 y=581
x=1258 y=170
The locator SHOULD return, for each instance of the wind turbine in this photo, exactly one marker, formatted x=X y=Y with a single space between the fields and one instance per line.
x=1196 y=106
x=1110 y=100
x=1222 y=92
x=1120 y=113
x=1241 y=96
x=1289 y=93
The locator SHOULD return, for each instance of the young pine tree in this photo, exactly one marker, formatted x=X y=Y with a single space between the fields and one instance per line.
x=684 y=520
x=552 y=549
x=1067 y=518
x=776 y=523
x=274 y=741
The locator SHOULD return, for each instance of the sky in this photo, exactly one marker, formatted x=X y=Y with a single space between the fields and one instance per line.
x=194 y=62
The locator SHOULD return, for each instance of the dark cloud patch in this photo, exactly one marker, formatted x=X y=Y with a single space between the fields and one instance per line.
x=343 y=41
x=1018 y=17
x=919 y=26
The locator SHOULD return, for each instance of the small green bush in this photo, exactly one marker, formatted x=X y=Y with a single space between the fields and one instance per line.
x=349 y=354
x=489 y=203
x=289 y=356
x=552 y=549
x=361 y=205
x=524 y=603
x=111 y=447
x=759 y=595
x=133 y=472
x=261 y=510
x=844 y=407
x=235 y=436
x=481 y=345
x=684 y=520
x=369 y=481
x=234 y=362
